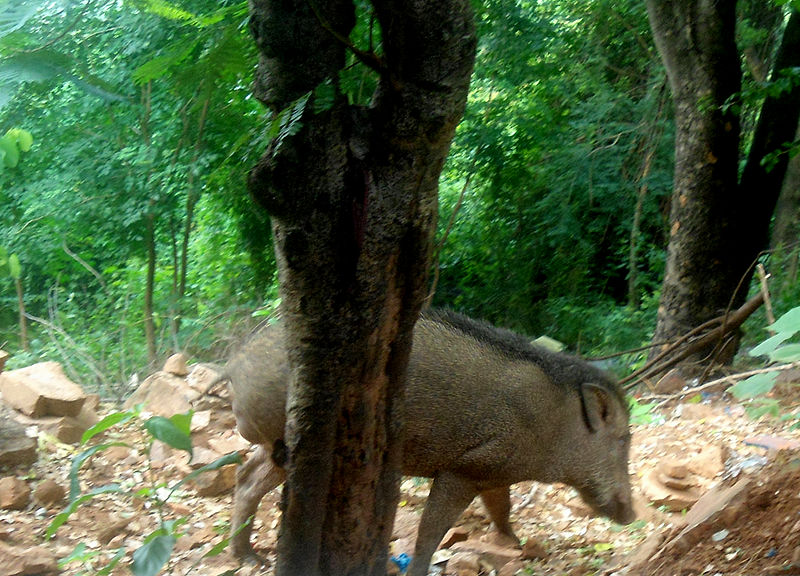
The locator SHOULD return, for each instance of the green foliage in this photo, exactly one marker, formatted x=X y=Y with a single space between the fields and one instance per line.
x=150 y=558
x=12 y=144
x=641 y=414
x=754 y=390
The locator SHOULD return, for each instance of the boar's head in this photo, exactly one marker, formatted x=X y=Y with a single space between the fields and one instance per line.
x=600 y=440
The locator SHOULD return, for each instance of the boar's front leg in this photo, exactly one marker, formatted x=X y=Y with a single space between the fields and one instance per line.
x=448 y=498
x=254 y=479
x=498 y=503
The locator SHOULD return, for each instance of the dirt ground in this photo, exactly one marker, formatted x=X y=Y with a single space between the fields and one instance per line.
x=761 y=536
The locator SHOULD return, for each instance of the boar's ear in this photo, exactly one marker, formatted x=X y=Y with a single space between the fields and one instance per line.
x=597 y=406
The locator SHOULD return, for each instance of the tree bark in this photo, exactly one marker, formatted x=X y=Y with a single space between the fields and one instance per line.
x=696 y=43
x=718 y=224
x=353 y=202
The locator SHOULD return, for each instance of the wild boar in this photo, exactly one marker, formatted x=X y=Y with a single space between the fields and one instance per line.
x=484 y=409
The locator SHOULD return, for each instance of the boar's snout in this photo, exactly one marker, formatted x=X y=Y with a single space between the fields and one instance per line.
x=620 y=510
x=618 y=507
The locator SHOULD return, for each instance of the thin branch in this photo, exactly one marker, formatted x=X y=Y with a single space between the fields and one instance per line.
x=369 y=59
x=83 y=263
x=730 y=378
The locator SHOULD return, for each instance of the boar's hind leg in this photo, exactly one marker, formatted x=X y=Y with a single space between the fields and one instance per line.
x=498 y=503
x=448 y=498
x=254 y=479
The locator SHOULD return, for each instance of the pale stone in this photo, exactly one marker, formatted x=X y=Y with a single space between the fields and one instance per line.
x=176 y=364
x=41 y=390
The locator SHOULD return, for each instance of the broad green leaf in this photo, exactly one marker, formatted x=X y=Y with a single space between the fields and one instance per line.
x=168 y=432
x=111 y=420
x=789 y=322
x=154 y=554
x=768 y=345
x=788 y=353
x=756 y=385
x=10 y=152
x=73 y=505
x=14 y=267
x=763 y=406
x=183 y=421
x=23 y=138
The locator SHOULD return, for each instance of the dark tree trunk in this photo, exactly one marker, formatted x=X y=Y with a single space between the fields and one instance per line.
x=353 y=201
x=718 y=225
x=786 y=228
x=696 y=43
x=765 y=170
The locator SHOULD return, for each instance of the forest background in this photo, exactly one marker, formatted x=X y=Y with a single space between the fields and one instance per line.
x=127 y=232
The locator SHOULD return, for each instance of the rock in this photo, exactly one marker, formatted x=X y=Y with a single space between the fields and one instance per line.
x=48 y=493
x=670 y=383
x=533 y=550
x=659 y=494
x=215 y=482
x=454 y=535
x=717 y=509
x=708 y=461
x=202 y=376
x=203 y=456
x=511 y=568
x=111 y=529
x=18 y=561
x=176 y=364
x=463 y=564
x=674 y=468
x=200 y=420
x=92 y=402
x=160 y=454
x=16 y=448
x=228 y=442
x=163 y=394
x=699 y=411
x=3 y=357
x=14 y=493
x=41 y=390
x=497 y=556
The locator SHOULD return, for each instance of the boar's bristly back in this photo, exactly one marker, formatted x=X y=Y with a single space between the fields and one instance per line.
x=562 y=369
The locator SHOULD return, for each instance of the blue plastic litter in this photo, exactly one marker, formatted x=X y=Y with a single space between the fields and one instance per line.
x=772 y=552
x=402 y=561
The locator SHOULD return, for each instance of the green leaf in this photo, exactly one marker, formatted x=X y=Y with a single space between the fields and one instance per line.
x=788 y=353
x=23 y=138
x=168 y=432
x=77 y=462
x=153 y=554
x=768 y=345
x=10 y=152
x=183 y=421
x=789 y=322
x=118 y=555
x=111 y=420
x=756 y=385
x=763 y=406
x=73 y=505
x=14 y=267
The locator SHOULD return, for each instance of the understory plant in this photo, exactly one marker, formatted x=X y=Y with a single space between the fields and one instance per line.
x=755 y=391
x=157 y=547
